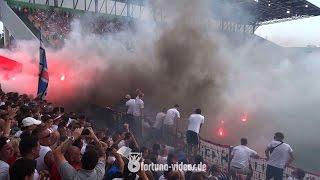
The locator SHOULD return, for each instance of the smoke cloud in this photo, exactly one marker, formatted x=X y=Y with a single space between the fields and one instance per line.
x=183 y=61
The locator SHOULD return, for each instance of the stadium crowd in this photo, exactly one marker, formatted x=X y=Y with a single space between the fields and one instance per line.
x=55 y=23
x=40 y=141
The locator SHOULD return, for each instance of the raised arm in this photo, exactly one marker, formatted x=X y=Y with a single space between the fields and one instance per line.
x=59 y=151
x=134 y=140
x=6 y=128
x=119 y=160
x=102 y=154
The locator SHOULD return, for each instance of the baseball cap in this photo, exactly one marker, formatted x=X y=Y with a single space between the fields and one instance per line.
x=28 y=121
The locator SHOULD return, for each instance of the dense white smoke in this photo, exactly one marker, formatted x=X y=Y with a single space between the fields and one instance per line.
x=183 y=61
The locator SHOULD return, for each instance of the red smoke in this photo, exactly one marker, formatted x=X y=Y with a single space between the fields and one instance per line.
x=66 y=76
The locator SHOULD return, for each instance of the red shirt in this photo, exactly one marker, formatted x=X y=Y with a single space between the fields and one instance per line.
x=12 y=159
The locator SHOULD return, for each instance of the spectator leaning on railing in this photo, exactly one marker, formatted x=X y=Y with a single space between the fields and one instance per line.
x=279 y=156
x=240 y=160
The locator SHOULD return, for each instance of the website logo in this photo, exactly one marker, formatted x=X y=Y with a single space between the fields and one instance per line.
x=134 y=162
x=135 y=165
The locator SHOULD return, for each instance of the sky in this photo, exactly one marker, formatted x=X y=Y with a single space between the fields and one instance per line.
x=297 y=33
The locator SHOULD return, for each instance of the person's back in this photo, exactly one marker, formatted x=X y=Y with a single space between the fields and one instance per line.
x=171 y=116
x=280 y=155
x=138 y=106
x=130 y=105
x=240 y=160
x=195 y=121
x=159 y=120
x=241 y=156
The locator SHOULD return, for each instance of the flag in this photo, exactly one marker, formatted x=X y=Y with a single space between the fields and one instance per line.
x=43 y=75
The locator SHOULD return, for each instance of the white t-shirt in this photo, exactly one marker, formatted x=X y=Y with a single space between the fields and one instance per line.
x=130 y=104
x=138 y=105
x=41 y=165
x=280 y=155
x=159 y=120
x=241 y=156
x=195 y=120
x=171 y=116
x=4 y=170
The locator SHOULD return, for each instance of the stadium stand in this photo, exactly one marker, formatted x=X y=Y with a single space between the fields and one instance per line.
x=55 y=24
x=57 y=125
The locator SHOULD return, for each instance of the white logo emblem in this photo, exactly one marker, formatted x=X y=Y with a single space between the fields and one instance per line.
x=134 y=162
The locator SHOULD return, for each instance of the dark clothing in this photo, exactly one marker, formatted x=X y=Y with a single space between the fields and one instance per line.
x=274 y=172
x=169 y=134
x=192 y=137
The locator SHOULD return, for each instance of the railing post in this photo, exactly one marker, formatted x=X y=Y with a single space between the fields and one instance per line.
x=128 y=8
x=229 y=160
x=96 y=6
x=55 y=3
x=6 y=37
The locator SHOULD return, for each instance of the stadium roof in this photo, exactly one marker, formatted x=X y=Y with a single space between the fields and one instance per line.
x=257 y=11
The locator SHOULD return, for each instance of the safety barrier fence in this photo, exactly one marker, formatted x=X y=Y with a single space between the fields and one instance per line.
x=219 y=154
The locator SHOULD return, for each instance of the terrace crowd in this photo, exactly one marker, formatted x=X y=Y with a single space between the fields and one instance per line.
x=55 y=24
x=41 y=141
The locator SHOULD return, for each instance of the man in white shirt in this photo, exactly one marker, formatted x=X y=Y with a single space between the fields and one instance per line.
x=196 y=121
x=45 y=159
x=158 y=124
x=130 y=104
x=134 y=113
x=279 y=156
x=138 y=116
x=170 y=127
x=138 y=106
x=240 y=160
